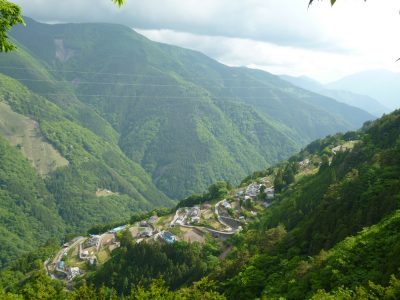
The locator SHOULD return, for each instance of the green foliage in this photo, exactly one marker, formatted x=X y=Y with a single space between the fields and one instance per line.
x=341 y=238
x=10 y=16
x=145 y=215
x=94 y=163
x=178 y=264
x=216 y=191
x=119 y=2
x=26 y=207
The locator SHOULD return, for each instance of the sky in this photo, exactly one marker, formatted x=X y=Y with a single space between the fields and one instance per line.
x=278 y=36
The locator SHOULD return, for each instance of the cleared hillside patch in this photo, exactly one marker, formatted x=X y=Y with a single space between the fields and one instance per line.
x=24 y=134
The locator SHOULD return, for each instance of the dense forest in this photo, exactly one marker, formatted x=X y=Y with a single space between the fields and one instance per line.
x=332 y=234
x=186 y=119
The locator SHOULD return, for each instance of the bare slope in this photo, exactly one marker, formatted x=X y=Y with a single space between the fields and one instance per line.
x=25 y=134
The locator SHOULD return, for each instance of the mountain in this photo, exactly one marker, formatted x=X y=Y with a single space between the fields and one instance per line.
x=364 y=102
x=381 y=84
x=333 y=228
x=53 y=173
x=26 y=207
x=331 y=232
x=185 y=118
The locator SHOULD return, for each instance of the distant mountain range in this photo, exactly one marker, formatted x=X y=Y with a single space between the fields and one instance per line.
x=343 y=94
x=138 y=121
x=382 y=85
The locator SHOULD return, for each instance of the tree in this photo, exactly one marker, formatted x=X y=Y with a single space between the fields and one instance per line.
x=278 y=182
x=311 y=1
x=288 y=175
x=119 y=2
x=10 y=16
x=332 y=2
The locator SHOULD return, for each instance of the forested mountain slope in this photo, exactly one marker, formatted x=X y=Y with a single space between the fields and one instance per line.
x=317 y=236
x=65 y=200
x=28 y=212
x=186 y=119
x=330 y=233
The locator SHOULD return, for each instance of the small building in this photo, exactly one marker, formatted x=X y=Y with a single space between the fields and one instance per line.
x=61 y=265
x=195 y=220
x=168 y=237
x=92 y=260
x=147 y=232
x=226 y=204
x=85 y=253
x=73 y=272
x=270 y=193
x=143 y=224
x=117 y=229
x=253 y=190
x=94 y=241
x=304 y=163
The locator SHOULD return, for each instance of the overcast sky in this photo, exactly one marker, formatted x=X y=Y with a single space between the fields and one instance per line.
x=279 y=36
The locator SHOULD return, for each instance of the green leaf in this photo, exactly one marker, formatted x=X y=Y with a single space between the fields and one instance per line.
x=119 y=2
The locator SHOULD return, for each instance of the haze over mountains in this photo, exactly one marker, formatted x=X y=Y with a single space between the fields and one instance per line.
x=144 y=122
x=379 y=84
x=345 y=94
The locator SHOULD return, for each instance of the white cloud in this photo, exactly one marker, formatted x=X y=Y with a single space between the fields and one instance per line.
x=323 y=65
x=281 y=36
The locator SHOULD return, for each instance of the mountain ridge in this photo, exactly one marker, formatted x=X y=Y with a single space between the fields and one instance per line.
x=182 y=83
x=364 y=102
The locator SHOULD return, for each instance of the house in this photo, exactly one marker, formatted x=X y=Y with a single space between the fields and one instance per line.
x=147 y=232
x=73 y=272
x=117 y=229
x=92 y=260
x=94 y=241
x=226 y=204
x=195 y=220
x=194 y=211
x=253 y=190
x=304 y=163
x=168 y=237
x=143 y=224
x=61 y=265
x=270 y=193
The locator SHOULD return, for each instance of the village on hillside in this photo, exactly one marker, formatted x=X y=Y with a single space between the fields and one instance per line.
x=217 y=220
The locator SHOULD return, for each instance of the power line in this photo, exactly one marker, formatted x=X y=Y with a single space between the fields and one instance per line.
x=122 y=74
x=145 y=96
x=131 y=84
